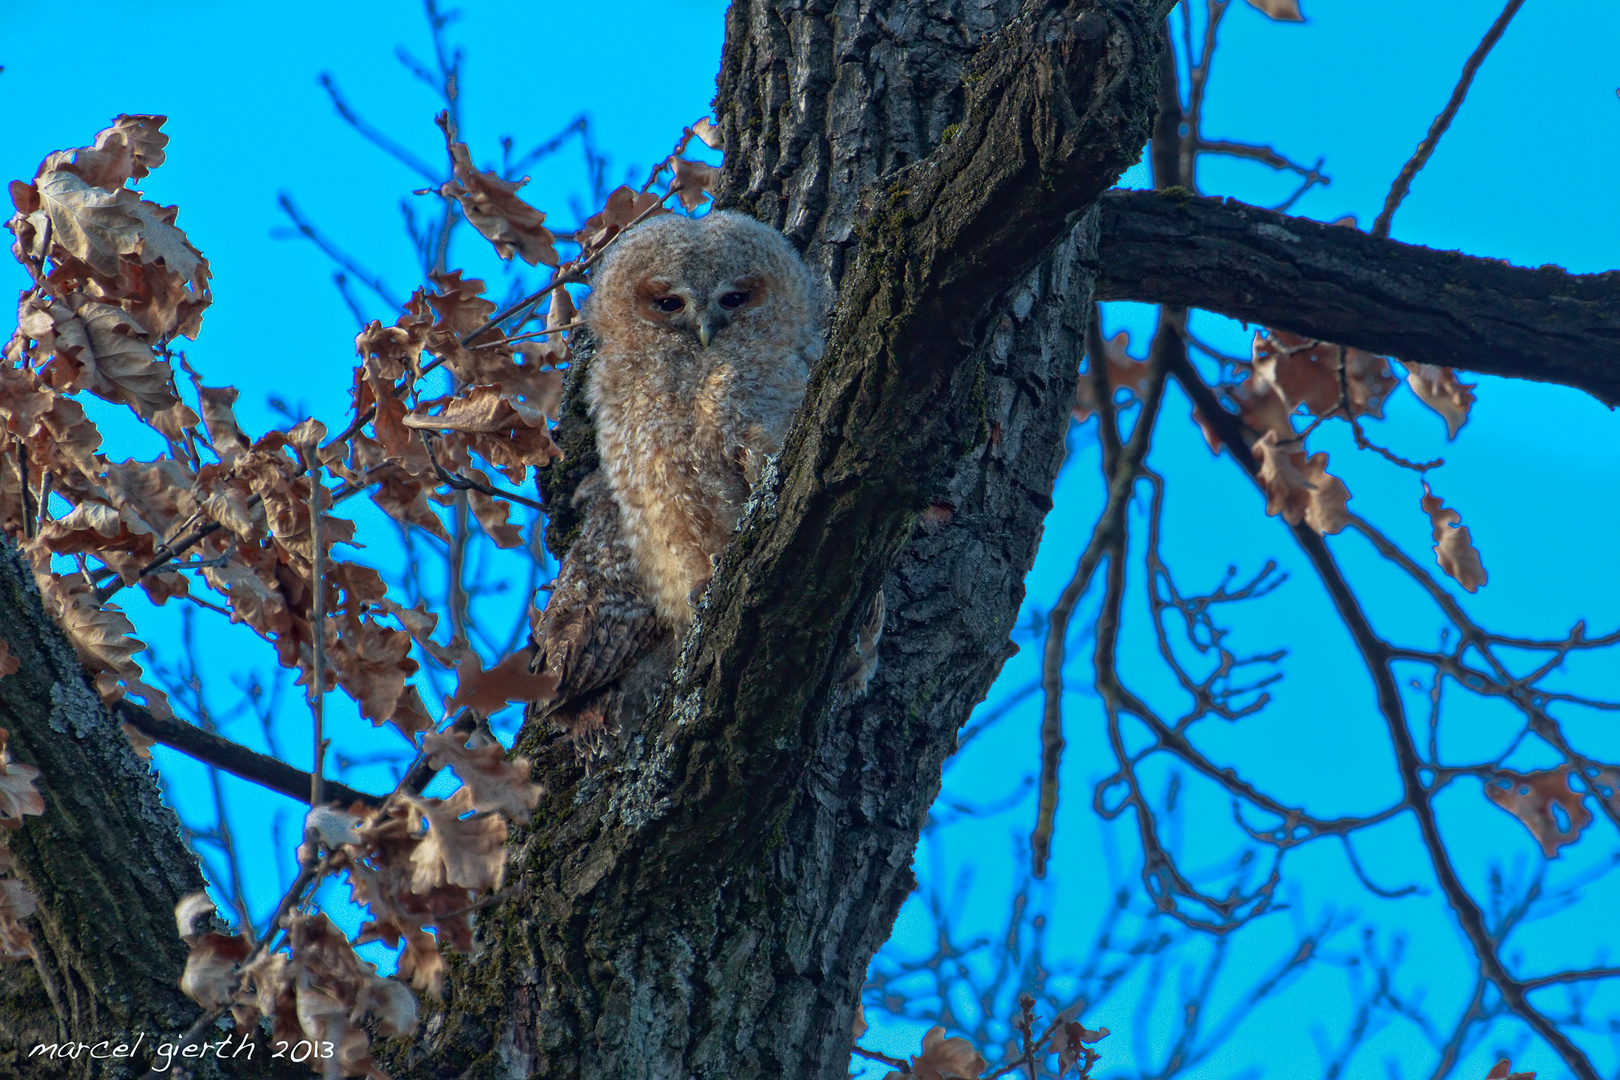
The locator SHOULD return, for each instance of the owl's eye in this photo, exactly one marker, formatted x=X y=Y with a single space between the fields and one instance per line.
x=734 y=300
x=669 y=304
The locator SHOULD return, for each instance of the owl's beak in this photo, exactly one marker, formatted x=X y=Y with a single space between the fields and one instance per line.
x=708 y=326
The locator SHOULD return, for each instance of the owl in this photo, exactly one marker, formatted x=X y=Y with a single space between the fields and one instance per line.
x=705 y=332
x=706 y=329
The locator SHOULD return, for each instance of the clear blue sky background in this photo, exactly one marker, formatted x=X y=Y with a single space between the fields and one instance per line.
x=1525 y=174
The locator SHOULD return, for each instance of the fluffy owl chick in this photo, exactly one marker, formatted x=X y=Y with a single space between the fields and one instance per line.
x=705 y=329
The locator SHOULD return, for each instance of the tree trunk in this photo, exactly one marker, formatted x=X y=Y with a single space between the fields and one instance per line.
x=105 y=860
x=708 y=905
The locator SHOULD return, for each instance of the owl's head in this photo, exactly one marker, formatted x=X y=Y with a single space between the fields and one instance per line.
x=698 y=281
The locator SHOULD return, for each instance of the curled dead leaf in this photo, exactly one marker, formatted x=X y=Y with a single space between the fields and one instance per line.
x=191 y=914
x=1453 y=549
x=494 y=782
x=946 y=1059
x=1280 y=10
x=492 y=207
x=210 y=976
x=623 y=206
x=467 y=852
x=1438 y=388
x=694 y=182
x=509 y=681
x=17 y=902
x=707 y=132
x=1545 y=803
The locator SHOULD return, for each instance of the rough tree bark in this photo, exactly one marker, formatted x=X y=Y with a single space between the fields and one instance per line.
x=707 y=904
x=1342 y=285
x=106 y=859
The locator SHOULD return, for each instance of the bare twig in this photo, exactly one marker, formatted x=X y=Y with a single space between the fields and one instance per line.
x=1403 y=182
x=317 y=682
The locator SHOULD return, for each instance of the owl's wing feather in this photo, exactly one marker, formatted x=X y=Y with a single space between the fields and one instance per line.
x=598 y=623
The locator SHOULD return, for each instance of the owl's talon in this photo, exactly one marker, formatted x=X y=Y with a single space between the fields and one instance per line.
x=697 y=591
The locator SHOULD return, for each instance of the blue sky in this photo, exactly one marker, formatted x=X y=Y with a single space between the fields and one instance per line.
x=1525 y=174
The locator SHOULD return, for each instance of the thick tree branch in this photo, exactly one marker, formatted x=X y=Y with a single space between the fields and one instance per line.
x=1341 y=285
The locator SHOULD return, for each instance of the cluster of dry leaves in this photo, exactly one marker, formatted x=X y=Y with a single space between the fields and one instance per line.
x=1065 y=1043
x=115 y=283
x=418 y=864
x=1290 y=376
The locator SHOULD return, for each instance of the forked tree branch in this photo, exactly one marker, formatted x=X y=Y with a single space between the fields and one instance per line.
x=1377 y=655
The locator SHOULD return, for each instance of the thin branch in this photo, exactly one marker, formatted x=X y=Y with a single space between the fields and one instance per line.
x=234 y=758
x=308 y=231
x=317 y=618
x=1107 y=540
x=375 y=136
x=1403 y=182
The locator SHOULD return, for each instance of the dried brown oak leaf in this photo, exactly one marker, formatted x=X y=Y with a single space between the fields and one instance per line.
x=466 y=852
x=510 y=434
x=391 y=351
x=694 y=182
x=191 y=913
x=1123 y=370
x=494 y=782
x=492 y=206
x=267 y=990
x=101 y=633
x=1281 y=10
x=1306 y=372
x=1439 y=389
x=423 y=964
x=372 y=663
x=210 y=977
x=103 y=349
x=1503 y=1070
x=552 y=350
x=128 y=150
x=509 y=681
x=1299 y=488
x=944 y=1059
x=1554 y=814
x=99 y=227
x=1453 y=549
x=17 y=902
x=219 y=420
x=325 y=1019
x=707 y=133
x=623 y=206
x=9 y=664
x=1070 y=1041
